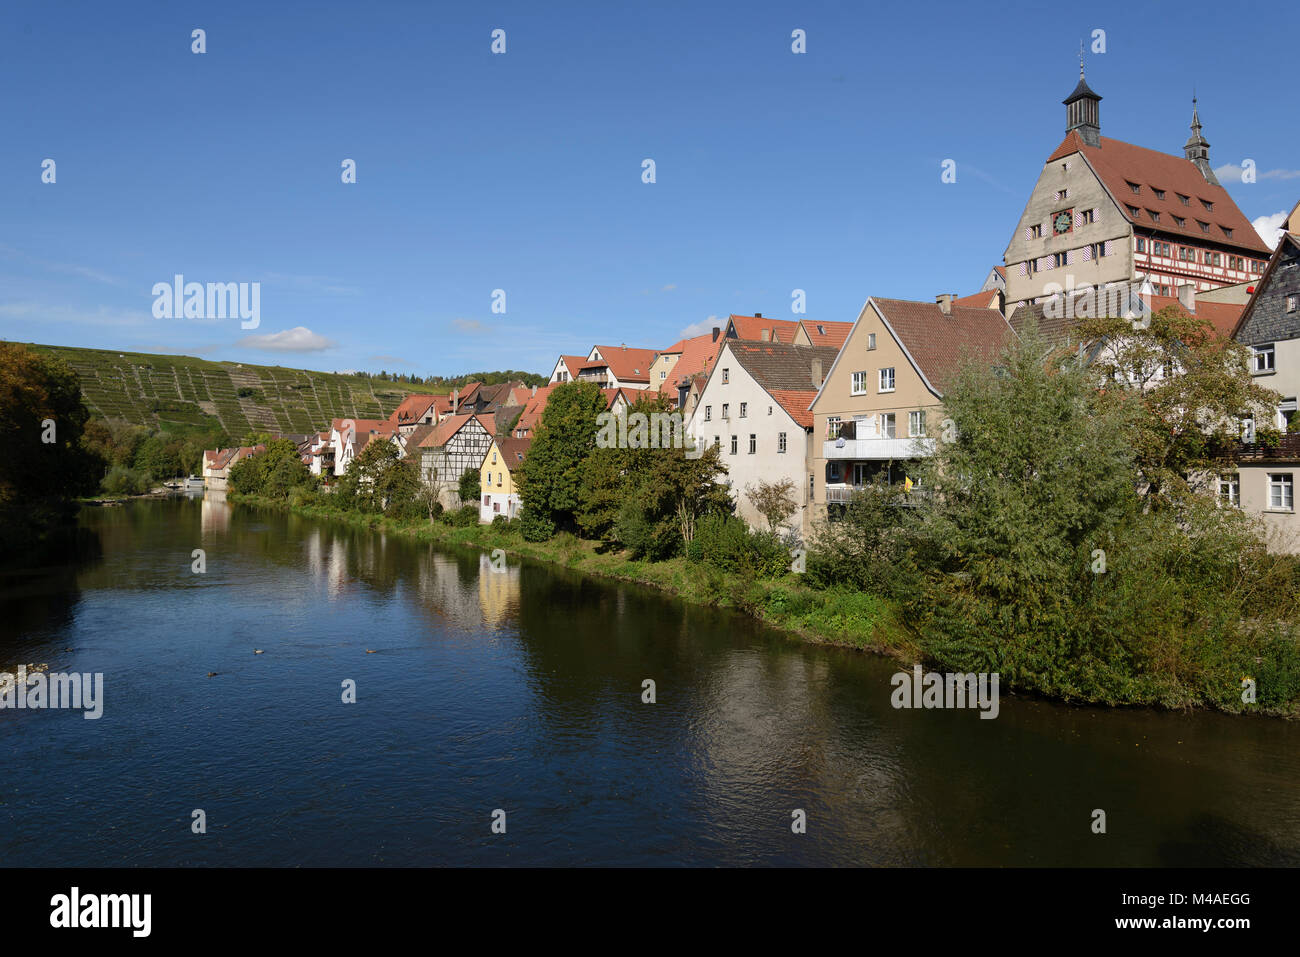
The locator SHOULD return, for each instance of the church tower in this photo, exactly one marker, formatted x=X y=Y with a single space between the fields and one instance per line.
x=1082 y=112
x=1197 y=149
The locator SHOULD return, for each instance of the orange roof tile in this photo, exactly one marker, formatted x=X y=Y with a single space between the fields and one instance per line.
x=752 y=328
x=826 y=333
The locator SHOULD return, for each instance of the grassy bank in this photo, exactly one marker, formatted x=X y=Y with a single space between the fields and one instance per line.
x=846 y=617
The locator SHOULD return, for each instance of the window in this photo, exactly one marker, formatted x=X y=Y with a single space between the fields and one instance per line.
x=887 y=380
x=1062 y=193
x=1031 y=266
x=744 y=410
x=726 y=410
x=1185 y=200
x=859 y=384
x=1060 y=259
x=734 y=439
x=833 y=427
x=1230 y=489
x=871 y=340
x=1209 y=207
x=1160 y=193
x=717 y=440
x=1236 y=262
x=887 y=429
x=1291 y=302
x=663 y=374
x=916 y=423
x=780 y=441
x=1142 y=245
x=1226 y=231
x=1205 y=227
x=753 y=443
x=1263 y=356
x=708 y=413
x=1134 y=187
x=1089 y=216
x=769 y=410
x=1132 y=211
x=1155 y=217
x=1098 y=250
x=726 y=375
x=821 y=330
x=1281 y=491
x=1179 y=221
x=1036 y=231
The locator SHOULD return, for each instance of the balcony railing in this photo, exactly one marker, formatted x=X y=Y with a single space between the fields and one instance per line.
x=1285 y=448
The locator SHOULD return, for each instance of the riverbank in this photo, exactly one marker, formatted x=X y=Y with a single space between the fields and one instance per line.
x=844 y=617
x=841 y=617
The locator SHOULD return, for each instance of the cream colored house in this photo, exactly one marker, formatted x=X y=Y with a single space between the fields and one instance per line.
x=880 y=405
x=754 y=406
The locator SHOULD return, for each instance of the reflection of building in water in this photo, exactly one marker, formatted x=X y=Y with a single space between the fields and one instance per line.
x=443 y=593
x=214 y=514
x=327 y=561
x=498 y=590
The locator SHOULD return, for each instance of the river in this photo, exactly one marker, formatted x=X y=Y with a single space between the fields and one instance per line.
x=521 y=691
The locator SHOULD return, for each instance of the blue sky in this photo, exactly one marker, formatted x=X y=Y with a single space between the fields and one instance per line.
x=523 y=171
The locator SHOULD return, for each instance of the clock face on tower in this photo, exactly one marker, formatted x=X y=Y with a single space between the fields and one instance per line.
x=1063 y=221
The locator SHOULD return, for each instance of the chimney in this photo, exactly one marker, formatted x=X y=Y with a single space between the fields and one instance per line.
x=758 y=315
x=716 y=332
x=455 y=400
x=817 y=373
x=1187 y=296
x=944 y=302
x=765 y=335
x=534 y=392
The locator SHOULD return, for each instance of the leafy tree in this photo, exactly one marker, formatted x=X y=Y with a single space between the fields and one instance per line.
x=469 y=485
x=43 y=462
x=1186 y=389
x=775 y=501
x=551 y=476
x=379 y=480
x=274 y=473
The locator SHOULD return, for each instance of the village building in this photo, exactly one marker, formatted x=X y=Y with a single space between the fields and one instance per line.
x=692 y=367
x=1105 y=212
x=456 y=444
x=754 y=407
x=566 y=368
x=1269 y=466
x=880 y=405
x=413 y=411
x=617 y=367
x=497 y=488
x=811 y=333
x=758 y=328
x=217 y=464
x=616 y=400
x=349 y=436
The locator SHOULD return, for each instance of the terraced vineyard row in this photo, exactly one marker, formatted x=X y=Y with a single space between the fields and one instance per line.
x=157 y=390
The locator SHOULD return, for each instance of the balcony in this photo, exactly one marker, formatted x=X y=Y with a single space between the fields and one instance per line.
x=841 y=493
x=875 y=449
x=1286 y=448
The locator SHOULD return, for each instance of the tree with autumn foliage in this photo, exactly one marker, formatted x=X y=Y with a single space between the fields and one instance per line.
x=1187 y=389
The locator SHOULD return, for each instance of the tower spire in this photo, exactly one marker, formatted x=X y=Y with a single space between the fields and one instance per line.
x=1081 y=110
x=1197 y=148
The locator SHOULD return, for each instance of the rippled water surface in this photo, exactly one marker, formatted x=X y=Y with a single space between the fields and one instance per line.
x=521 y=690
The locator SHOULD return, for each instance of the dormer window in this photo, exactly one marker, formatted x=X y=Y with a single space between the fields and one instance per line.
x=1132 y=211
x=1155 y=217
x=1134 y=187
x=1180 y=221
x=1205 y=227
x=1160 y=193
x=821 y=330
x=1226 y=231
x=1185 y=200
x=1209 y=207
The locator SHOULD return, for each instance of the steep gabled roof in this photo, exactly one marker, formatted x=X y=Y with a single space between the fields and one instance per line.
x=936 y=343
x=784 y=372
x=1290 y=241
x=536 y=405
x=573 y=364
x=826 y=333
x=513 y=451
x=627 y=365
x=987 y=299
x=448 y=427
x=697 y=357
x=411 y=408
x=752 y=328
x=1117 y=164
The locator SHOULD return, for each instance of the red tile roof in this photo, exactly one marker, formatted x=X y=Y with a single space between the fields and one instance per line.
x=627 y=365
x=513 y=451
x=573 y=363
x=1222 y=315
x=796 y=402
x=534 y=408
x=752 y=328
x=979 y=300
x=784 y=371
x=938 y=342
x=411 y=408
x=448 y=427
x=826 y=333
x=696 y=359
x=1118 y=164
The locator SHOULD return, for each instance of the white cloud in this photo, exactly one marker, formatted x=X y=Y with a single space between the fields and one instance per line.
x=472 y=326
x=669 y=288
x=297 y=339
x=1270 y=227
x=701 y=327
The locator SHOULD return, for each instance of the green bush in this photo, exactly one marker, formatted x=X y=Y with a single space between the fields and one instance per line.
x=500 y=521
x=534 y=526
x=124 y=481
x=465 y=516
x=726 y=543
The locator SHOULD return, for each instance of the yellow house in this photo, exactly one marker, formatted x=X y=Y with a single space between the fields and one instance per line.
x=498 y=494
x=881 y=402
